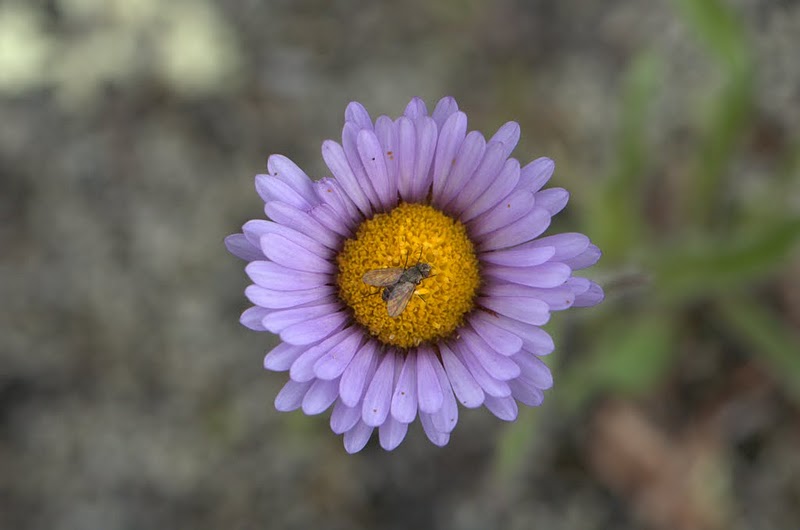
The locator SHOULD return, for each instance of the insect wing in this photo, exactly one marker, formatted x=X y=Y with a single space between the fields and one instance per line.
x=398 y=300
x=383 y=277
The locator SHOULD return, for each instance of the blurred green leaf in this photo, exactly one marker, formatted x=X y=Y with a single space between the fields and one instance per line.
x=617 y=215
x=724 y=36
x=514 y=445
x=629 y=357
x=727 y=124
x=719 y=28
x=716 y=266
x=772 y=342
x=641 y=83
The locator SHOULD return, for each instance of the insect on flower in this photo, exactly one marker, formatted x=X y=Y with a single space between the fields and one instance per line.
x=399 y=284
x=475 y=218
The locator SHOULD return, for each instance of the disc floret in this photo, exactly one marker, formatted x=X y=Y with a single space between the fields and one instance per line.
x=407 y=236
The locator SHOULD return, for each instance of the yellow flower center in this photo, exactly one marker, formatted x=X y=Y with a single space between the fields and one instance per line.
x=406 y=237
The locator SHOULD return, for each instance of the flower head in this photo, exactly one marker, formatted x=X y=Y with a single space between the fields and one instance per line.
x=413 y=279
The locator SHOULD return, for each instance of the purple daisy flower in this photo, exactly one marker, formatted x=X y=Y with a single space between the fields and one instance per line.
x=413 y=279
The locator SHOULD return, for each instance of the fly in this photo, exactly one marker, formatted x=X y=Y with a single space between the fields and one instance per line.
x=398 y=284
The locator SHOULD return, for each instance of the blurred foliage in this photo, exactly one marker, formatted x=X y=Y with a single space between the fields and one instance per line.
x=630 y=356
x=706 y=262
x=760 y=329
x=712 y=267
x=615 y=215
x=728 y=111
x=720 y=253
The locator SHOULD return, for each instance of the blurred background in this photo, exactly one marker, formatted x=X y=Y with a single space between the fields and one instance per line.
x=130 y=132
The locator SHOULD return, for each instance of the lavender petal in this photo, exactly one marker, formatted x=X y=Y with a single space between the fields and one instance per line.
x=545 y=275
x=315 y=329
x=498 y=366
x=533 y=370
x=500 y=340
x=578 y=285
x=466 y=162
x=391 y=433
x=591 y=297
x=333 y=364
x=468 y=391
x=534 y=339
x=429 y=391
x=320 y=396
x=337 y=162
x=326 y=215
x=558 y=298
x=277 y=277
x=446 y=418
x=282 y=356
x=277 y=321
x=372 y=157
x=330 y=192
x=358 y=114
x=489 y=384
x=436 y=437
x=585 y=259
x=519 y=257
x=350 y=145
x=344 y=418
x=356 y=438
x=511 y=209
x=566 y=245
x=415 y=109
x=404 y=400
x=526 y=393
x=294 y=256
x=536 y=174
x=378 y=399
x=291 y=395
x=504 y=408
x=524 y=229
x=256 y=229
x=302 y=369
x=301 y=221
x=527 y=310
x=427 y=136
x=445 y=108
x=271 y=188
x=508 y=135
x=358 y=372
x=239 y=246
x=504 y=182
x=406 y=157
x=386 y=131
x=451 y=136
x=286 y=170
x=491 y=165
x=553 y=199
x=251 y=318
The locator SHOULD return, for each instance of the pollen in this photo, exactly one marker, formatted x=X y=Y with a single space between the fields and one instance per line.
x=405 y=237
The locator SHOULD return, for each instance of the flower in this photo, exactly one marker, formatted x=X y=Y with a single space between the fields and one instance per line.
x=413 y=279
